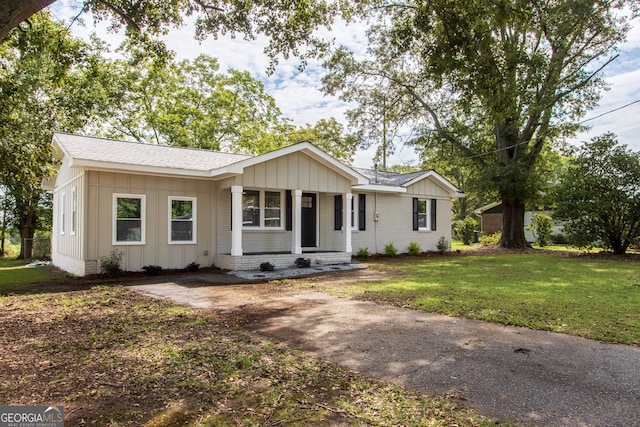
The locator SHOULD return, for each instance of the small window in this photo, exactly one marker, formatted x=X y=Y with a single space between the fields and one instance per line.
x=129 y=219
x=423 y=214
x=354 y=210
x=74 y=210
x=63 y=208
x=182 y=220
x=262 y=209
x=251 y=208
x=272 y=211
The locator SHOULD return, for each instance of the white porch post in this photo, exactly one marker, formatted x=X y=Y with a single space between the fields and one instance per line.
x=297 y=222
x=347 y=222
x=236 y=220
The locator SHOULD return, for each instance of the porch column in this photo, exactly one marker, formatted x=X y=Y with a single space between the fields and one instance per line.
x=347 y=222
x=236 y=220
x=297 y=222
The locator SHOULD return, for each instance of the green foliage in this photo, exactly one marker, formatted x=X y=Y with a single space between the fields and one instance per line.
x=390 y=249
x=442 y=245
x=267 y=266
x=414 y=249
x=192 y=267
x=328 y=135
x=110 y=265
x=465 y=229
x=542 y=228
x=484 y=83
x=490 y=239
x=598 y=196
x=303 y=262
x=363 y=253
x=152 y=270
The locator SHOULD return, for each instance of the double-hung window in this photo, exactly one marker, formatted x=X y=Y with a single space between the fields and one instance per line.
x=262 y=209
x=182 y=220
x=129 y=219
x=63 y=213
x=74 y=210
x=424 y=214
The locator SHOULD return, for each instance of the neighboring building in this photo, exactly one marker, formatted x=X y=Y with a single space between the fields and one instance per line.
x=491 y=220
x=170 y=206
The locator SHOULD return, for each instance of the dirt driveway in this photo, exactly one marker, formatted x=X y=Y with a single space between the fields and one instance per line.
x=536 y=378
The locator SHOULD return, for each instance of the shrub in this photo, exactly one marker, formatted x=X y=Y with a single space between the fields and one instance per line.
x=465 y=230
x=266 y=266
x=442 y=245
x=192 y=267
x=110 y=265
x=414 y=249
x=490 y=239
x=390 y=250
x=303 y=262
x=363 y=253
x=541 y=226
x=152 y=270
x=559 y=239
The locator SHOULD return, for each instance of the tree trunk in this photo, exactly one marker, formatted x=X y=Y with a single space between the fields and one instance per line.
x=513 y=224
x=13 y=12
x=26 y=238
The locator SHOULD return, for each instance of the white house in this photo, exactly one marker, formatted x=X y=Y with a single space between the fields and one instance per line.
x=171 y=206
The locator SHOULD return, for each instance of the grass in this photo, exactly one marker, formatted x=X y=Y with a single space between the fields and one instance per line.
x=588 y=296
x=14 y=272
x=116 y=358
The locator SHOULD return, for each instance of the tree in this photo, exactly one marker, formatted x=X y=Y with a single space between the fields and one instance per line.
x=499 y=81
x=328 y=135
x=47 y=84
x=599 y=195
x=288 y=24
x=192 y=104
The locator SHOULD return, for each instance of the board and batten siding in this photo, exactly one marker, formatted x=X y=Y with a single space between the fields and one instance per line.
x=294 y=171
x=156 y=250
x=67 y=249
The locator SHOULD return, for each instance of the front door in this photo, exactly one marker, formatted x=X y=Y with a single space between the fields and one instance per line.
x=309 y=221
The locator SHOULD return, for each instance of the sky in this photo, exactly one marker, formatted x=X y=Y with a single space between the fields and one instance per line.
x=300 y=98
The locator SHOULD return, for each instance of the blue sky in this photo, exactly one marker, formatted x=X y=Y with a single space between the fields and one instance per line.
x=299 y=96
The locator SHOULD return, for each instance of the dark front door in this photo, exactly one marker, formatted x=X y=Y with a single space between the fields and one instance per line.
x=308 y=217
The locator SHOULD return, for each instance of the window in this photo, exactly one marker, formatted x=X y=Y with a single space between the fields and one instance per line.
x=262 y=209
x=354 y=209
x=424 y=214
x=182 y=220
x=129 y=219
x=63 y=208
x=74 y=210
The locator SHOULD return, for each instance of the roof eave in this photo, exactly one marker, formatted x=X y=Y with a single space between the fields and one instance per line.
x=380 y=188
x=129 y=168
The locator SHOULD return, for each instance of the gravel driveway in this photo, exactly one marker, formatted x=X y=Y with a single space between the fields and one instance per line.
x=532 y=377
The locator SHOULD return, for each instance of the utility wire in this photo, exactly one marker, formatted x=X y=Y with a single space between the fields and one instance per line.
x=609 y=112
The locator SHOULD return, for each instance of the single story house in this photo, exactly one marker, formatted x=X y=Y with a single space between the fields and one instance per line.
x=491 y=219
x=171 y=206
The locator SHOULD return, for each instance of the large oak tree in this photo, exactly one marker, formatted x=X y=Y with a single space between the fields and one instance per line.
x=498 y=80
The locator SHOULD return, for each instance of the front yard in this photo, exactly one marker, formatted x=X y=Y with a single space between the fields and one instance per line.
x=594 y=296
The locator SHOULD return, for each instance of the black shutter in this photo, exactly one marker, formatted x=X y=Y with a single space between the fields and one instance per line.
x=337 y=211
x=415 y=213
x=362 y=211
x=433 y=214
x=288 y=210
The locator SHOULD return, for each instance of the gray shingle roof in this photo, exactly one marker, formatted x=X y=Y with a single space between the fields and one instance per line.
x=137 y=154
x=393 y=179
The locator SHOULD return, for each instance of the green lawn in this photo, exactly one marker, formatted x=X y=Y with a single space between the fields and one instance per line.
x=587 y=296
x=14 y=272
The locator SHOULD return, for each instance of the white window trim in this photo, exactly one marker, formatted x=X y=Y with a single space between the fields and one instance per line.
x=262 y=197
x=63 y=202
x=194 y=217
x=74 y=211
x=427 y=203
x=143 y=220
x=355 y=212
